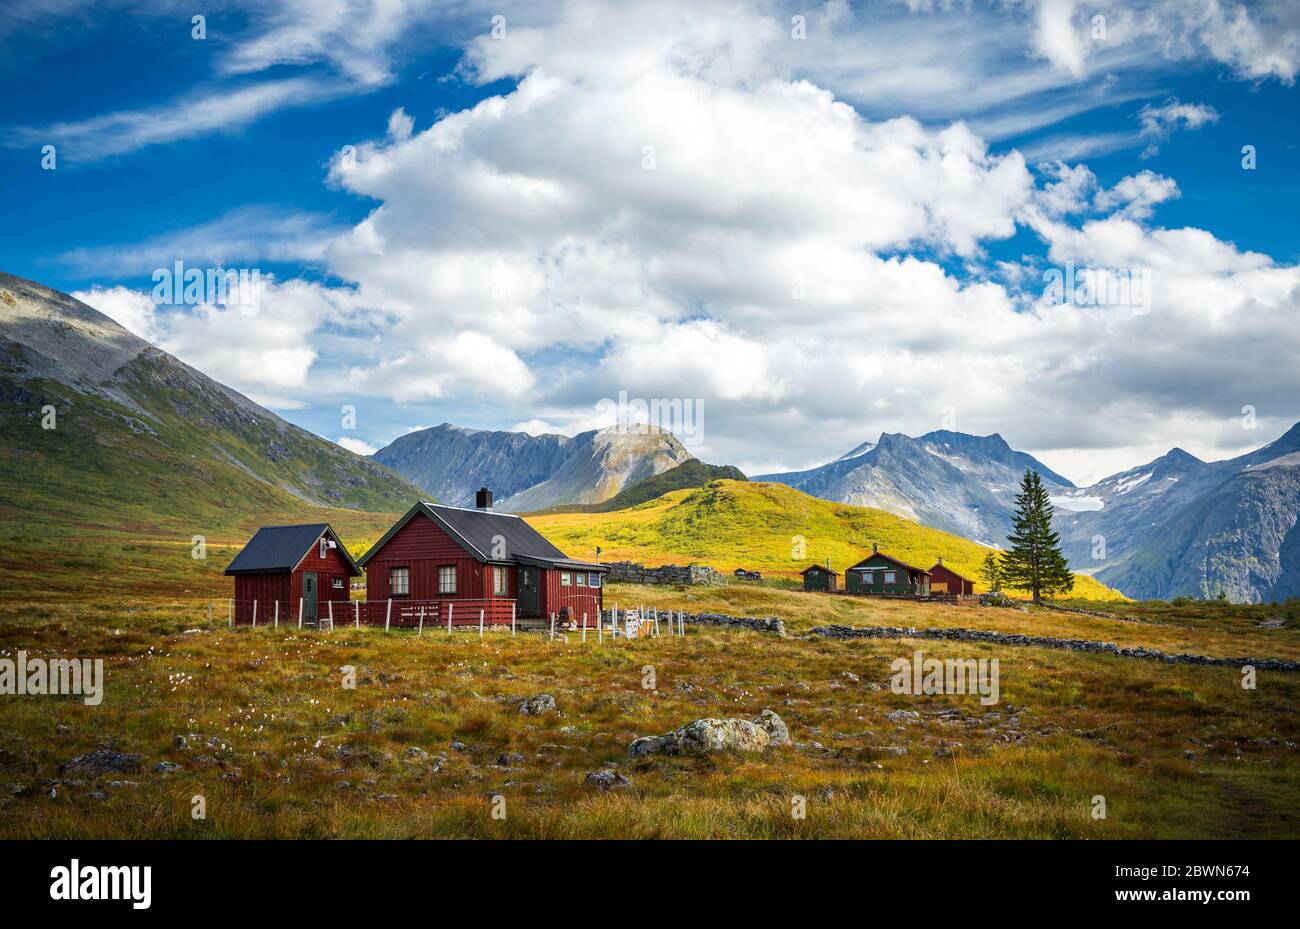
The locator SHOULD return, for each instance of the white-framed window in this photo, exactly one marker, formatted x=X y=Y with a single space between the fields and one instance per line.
x=891 y=577
x=399 y=582
x=337 y=583
x=498 y=581
x=595 y=579
x=566 y=579
x=446 y=579
x=324 y=547
x=580 y=579
x=868 y=577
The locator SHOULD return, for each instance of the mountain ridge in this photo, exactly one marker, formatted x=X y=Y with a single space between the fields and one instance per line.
x=528 y=472
x=147 y=434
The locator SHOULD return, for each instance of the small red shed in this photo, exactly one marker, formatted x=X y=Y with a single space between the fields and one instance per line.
x=289 y=571
x=444 y=563
x=947 y=581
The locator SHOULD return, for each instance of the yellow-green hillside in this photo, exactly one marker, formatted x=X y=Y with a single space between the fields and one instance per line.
x=734 y=524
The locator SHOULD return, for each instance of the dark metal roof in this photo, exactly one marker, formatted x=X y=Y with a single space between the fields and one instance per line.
x=901 y=564
x=280 y=548
x=819 y=567
x=567 y=563
x=491 y=537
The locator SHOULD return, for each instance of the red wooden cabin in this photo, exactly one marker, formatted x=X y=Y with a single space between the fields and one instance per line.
x=441 y=563
x=287 y=571
x=947 y=581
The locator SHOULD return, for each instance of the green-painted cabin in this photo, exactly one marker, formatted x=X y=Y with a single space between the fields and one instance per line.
x=879 y=573
x=820 y=578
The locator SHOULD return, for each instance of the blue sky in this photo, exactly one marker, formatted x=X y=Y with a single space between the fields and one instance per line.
x=506 y=260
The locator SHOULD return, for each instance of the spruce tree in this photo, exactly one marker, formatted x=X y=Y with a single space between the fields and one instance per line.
x=991 y=572
x=1034 y=561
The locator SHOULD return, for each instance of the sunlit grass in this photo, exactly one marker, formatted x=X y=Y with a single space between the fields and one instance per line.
x=265 y=716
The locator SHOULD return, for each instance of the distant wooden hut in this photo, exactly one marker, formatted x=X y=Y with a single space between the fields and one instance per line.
x=944 y=580
x=820 y=578
x=880 y=573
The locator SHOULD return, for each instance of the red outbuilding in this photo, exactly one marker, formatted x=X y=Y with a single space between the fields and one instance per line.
x=448 y=563
x=947 y=581
x=290 y=574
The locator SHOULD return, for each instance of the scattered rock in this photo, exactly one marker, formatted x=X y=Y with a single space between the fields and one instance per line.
x=166 y=767
x=607 y=780
x=509 y=759
x=355 y=754
x=902 y=716
x=102 y=761
x=457 y=746
x=179 y=741
x=851 y=678
x=538 y=705
x=416 y=752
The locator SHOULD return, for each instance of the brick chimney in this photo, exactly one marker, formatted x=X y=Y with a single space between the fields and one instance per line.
x=483 y=499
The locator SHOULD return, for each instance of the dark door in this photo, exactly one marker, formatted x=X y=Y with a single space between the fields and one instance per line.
x=528 y=593
x=309 y=597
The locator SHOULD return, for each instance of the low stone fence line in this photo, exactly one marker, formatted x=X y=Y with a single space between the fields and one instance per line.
x=629 y=572
x=772 y=624
x=1038 y=641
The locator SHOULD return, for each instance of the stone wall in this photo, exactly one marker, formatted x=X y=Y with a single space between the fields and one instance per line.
x=628 y=572
x=1038 y=641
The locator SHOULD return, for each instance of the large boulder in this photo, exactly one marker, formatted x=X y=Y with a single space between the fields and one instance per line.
x=777 y=731
x=704 y=737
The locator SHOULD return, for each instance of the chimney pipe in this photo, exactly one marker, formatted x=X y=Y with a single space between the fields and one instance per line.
x=483 y=499
x=941 y=561
x=875 y=549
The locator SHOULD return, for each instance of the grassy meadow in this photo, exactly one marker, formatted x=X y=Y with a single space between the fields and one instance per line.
x=277 y=747
x=259 y=724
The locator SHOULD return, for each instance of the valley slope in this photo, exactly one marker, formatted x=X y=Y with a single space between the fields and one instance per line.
x=103 y=434
x=767 y=527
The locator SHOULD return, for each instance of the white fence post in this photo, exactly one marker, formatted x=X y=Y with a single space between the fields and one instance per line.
x=388 y=614
x=331 y=603
x=552 y=625
x=356 y=609
x=275 y=620
x=420 y=631
x=300 y=612
x=231 y=614
x=613 y=622
x=480 y=624
x=451 y=608
x=681 y=621
x=512 y=616
x=254 y=612
x=209 y=612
